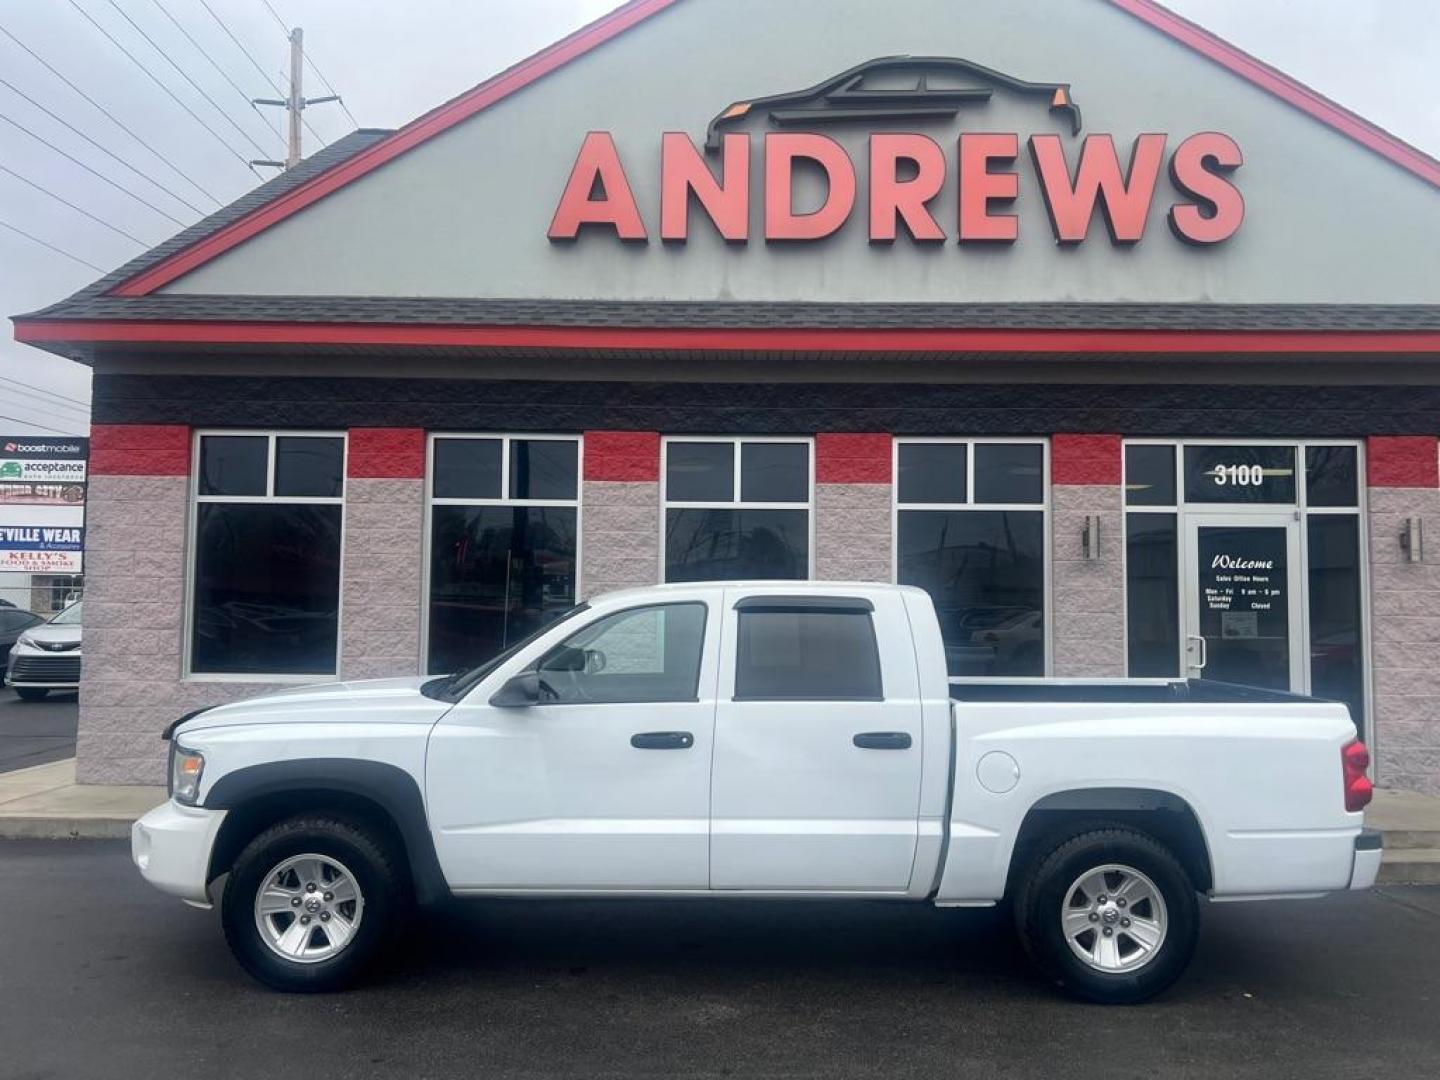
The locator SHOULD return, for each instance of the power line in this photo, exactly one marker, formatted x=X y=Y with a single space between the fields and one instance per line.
x=311 y=64
x=49 y=412
x=46 y=405
x=31 y=423
x=92 y=171
x=77 y=209
x=61 y=120
x=185 y=75
x=42 y=390
x=223 y=73
x=112 y=117
x=46 y=244
x=257 y=66
x=156 y=79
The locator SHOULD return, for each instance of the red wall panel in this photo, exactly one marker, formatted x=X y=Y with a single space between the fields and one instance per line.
x=386 y=454
x=1085 y=459
x=622 y=455
x=1402 y=461
x=139 y=450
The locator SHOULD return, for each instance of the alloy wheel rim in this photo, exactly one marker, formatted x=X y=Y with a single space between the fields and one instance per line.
x=1114 y=919
x=308 y=908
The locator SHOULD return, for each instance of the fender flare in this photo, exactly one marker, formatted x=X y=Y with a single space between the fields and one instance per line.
x=389 y=787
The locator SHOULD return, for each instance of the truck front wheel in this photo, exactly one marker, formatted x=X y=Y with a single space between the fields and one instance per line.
x=308 y=902
x=1109 y=913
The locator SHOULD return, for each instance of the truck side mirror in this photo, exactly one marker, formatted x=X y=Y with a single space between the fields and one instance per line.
x=519 y=692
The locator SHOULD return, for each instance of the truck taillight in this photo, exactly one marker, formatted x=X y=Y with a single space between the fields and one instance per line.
x=1354 y=760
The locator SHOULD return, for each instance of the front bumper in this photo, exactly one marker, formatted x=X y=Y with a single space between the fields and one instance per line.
x=171 y=846
x=1369 y=850
x=41 y=669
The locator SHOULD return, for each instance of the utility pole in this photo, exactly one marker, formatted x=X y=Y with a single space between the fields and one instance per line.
x=295 y=104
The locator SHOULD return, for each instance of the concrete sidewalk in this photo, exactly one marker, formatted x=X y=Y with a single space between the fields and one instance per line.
x=44 y=802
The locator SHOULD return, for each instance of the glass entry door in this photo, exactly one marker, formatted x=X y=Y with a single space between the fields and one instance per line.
x=1245 y=621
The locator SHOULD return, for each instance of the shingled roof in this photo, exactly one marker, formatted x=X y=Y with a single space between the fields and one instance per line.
x=72 y=326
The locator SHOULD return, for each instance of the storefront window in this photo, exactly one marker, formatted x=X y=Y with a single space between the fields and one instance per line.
x=1239 y=474
x=1152 y=602
x=737 y=509
x=503 y=542
x=1232 y=578
x=970 y=530
x=266 y=595
x=1337 y=654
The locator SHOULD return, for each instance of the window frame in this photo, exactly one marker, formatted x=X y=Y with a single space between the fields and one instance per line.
x=705 y=630
x=737 y=442
x=431 y=502
x=1043 y=507
x=192 y=553
x=1300 y=506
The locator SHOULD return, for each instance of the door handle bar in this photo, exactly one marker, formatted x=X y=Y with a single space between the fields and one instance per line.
x=883 y=740
x=1202 y=653
x=662 y=740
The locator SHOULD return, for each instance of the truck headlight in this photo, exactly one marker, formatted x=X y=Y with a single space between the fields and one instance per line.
x=186 y=766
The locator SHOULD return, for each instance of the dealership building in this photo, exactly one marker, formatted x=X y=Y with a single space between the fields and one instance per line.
x=1123 y=344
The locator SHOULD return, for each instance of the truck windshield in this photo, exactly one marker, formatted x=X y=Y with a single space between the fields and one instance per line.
x=454 y=687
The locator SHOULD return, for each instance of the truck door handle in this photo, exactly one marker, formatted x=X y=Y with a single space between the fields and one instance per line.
x=662 y=740
x=883 y=740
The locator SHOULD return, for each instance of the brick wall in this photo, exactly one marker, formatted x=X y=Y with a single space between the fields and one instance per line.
x=1087 y=595
x=136 y=519
x=853 y=495
x=1405 y=613
x=384 y=544
x=620 y=511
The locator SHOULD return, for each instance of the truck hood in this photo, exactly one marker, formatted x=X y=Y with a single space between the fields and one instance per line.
x=386 y=700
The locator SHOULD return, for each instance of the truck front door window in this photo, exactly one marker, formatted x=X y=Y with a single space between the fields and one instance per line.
x=644 y=655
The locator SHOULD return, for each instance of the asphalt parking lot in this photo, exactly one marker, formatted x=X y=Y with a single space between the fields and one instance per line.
x=102 y=977
x=36 y=732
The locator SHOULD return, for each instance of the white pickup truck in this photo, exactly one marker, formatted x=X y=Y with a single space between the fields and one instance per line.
x=758 y=739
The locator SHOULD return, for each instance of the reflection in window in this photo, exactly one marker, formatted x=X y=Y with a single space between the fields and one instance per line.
x=737 y=508
x=1152 y=595
x=734 y=545
x=266 y=595
x=503 y=543
x=645 y=654
x=985 y=570
x=267 y=588
x=983 y=567
x=1337 y=656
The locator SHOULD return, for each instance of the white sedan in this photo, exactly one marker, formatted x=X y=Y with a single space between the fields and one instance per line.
x=47 y=657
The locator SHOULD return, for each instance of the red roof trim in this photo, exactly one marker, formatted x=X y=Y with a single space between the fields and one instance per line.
x=1285 y=87
x=637 y=11
x=406 y=138
x=699 y=339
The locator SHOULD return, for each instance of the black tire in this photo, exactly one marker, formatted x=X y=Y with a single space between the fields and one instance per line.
x=1042 y=895
x=31 y=693
x=364 y=851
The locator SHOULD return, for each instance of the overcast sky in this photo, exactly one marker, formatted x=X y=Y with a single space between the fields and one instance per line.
x=392 y=60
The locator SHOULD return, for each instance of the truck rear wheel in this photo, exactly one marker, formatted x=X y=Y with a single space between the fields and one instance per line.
x=309 y=901
x=1109 y=913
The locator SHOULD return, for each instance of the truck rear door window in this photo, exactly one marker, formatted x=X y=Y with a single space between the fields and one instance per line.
x=798 y=655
